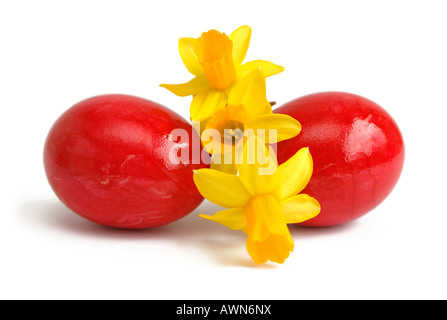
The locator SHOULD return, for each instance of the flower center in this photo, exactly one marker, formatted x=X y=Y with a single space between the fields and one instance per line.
x=232 y=132
x=229 y=122
x=214 y=51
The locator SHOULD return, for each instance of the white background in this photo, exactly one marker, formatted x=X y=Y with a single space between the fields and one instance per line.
x=56 y=53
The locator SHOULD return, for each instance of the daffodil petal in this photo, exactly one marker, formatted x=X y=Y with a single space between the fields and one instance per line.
x=206 y=103
x=227 y=168
x=300 y=208
x=292 y=176
x=196 y=85
x=268 y=237
x=233 y=218
x=189 y=57
x=221 y=188
x=264 y=217
x=257 y=166
x=225 y=164
x=241 y=40
x=286 y=127
x=250 y=92
x=267 y=68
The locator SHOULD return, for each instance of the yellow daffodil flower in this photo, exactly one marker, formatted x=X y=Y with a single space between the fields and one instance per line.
x=215 y=60
x=247 y=111
x=261 y=204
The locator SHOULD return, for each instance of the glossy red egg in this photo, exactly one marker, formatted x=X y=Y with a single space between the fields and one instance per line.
x=357 y=148
x=107 y=158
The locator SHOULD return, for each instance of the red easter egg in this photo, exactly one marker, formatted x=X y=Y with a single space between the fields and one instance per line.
x=357 y=149
x=109 y=159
